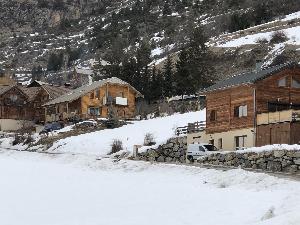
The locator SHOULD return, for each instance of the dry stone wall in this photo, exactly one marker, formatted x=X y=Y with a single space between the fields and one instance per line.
x=173 y=151
x=276 y=161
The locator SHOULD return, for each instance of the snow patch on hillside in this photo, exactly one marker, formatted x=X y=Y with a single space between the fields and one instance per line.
x=99 y=142
x=292 y=34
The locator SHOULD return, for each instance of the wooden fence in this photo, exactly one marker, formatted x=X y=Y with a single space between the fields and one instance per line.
x=191 y=128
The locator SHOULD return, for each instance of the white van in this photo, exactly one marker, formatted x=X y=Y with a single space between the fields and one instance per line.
x=195 y=151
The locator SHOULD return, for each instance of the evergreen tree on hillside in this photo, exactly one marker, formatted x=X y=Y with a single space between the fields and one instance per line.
x=143 y=53
x=37 y=73
x=183 y=77
x=128 y=70
x=193 y=67
x=167 y=9
x=55 y=62
x=199 y=60
x=168 y=77
x=156 y=85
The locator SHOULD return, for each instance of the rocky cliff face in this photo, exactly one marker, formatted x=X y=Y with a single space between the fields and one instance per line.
x=18 y=16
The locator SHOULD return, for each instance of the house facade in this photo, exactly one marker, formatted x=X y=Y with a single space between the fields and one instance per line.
x=247 y=110
x=24 y=103
x=94 y=100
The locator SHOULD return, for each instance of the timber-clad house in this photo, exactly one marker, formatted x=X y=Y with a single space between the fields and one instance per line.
x=21 y=103
x=253 y=109
x=95 y=100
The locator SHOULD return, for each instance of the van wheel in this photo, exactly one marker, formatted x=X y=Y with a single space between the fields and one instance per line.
x=190 y=158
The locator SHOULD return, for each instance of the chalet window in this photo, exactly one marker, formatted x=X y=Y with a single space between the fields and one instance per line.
x=282 y=82
x=241 y=111
x=92 y=95
x=212 y=142
x=13 y=97
x=295 y=83
x=93 y=111
x=98 y=93
x=240 y=142
x=213 y=115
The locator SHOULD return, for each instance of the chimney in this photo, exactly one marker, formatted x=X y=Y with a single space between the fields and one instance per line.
x=258 y=65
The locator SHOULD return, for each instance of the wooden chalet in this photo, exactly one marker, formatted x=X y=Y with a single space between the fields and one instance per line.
x=253 y=109
x=19 y=102
x=95 y=100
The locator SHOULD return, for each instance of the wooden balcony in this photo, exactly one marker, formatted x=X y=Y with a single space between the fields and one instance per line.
x=278 y=117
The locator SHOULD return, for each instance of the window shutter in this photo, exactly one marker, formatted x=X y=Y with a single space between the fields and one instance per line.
x=245 y=110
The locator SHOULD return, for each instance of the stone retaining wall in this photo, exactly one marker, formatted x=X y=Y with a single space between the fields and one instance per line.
x=173 y=151
x=276 y=161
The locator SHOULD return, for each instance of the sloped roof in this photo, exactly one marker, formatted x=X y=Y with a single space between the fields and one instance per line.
x=249 y=77
x=81 y=91
x=5 y=88
x=31 y=92
x=37 y=83
x=55 y=91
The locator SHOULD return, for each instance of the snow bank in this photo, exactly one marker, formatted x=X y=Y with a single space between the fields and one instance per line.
x=133 y=134
x=272 y=148
x=42 y=189
x=292 y=16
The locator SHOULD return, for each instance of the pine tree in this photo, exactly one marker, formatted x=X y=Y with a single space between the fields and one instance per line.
x=168 y=77
x=156 y=85
x=194 y=70
x=143 y=53
x=183 y=78
x=167 y=9
x=200 y=68
x=37 y=73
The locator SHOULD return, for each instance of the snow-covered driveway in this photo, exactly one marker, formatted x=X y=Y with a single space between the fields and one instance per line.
x=38 y=189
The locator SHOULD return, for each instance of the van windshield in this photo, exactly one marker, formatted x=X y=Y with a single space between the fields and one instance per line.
x=211 y=148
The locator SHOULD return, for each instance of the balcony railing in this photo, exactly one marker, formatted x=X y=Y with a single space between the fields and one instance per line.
x=278 y=117
x=115 y=101
x=191 y=128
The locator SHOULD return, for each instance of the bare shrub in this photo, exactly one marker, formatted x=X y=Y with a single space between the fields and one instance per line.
x=116 y=146
x=149 y=139
x=261 y=41
x=24 y=134
x=278 y=37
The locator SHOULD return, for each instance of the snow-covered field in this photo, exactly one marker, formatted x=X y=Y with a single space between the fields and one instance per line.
x=79 y=190
x=133 y=134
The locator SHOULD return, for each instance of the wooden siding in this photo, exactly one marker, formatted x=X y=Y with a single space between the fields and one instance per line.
x=295 y=133
x=266 y=90
x=273 y=134
x=95 y=98
x=15 y=109
x=112 y=91
x=224 y=102
x=280 y=133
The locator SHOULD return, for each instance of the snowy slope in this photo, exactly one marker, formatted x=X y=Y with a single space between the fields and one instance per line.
x=292 y=34
x=290 y=25
x=133 y=134
x=76 y=190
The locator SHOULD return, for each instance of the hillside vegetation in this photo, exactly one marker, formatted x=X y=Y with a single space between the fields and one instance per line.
x=49 y=38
